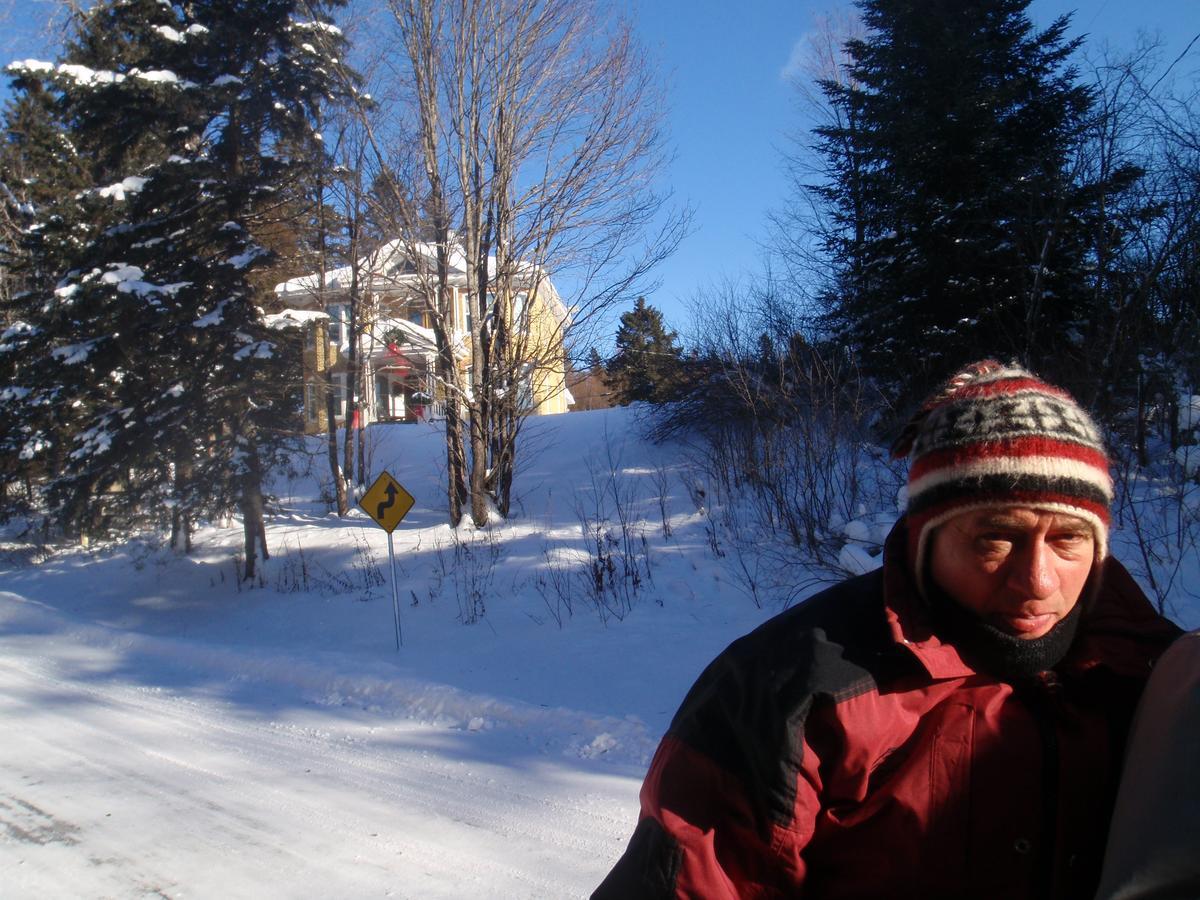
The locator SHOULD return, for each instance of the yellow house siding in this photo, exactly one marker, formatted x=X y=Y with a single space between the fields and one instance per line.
x=316 y=363
x=550 y=376
x=320 y=358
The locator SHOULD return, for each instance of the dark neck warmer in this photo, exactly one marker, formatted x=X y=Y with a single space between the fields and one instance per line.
x=988 y=649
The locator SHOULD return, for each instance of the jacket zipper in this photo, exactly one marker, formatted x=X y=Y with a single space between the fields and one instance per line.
x=1041 y=700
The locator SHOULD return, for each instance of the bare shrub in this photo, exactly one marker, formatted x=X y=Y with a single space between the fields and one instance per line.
x=298 y=571
x=783 y=450
x=467 y=562
x=1157 y=504
x=662 y=481
x=555 y=581
x=617 y=563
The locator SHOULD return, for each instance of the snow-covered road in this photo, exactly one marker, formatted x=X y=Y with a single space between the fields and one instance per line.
x=116 y=788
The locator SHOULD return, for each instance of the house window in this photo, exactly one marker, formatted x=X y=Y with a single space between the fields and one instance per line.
x=310 y=336
x=518 y=312
x=468 y=312
x=417 y=318
x=339 y=324
x=339 y=394
x=525 y=389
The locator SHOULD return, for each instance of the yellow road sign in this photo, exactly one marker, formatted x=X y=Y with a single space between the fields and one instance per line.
x=387 y=502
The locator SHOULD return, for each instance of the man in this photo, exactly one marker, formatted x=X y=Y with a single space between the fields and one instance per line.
x=949 y=726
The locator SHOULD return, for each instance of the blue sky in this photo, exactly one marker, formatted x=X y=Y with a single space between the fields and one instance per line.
x=731 y=108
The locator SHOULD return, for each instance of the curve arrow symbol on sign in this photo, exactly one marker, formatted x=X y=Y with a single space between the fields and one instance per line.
x=387 y=504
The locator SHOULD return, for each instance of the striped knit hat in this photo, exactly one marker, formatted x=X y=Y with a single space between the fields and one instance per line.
x=996 y=435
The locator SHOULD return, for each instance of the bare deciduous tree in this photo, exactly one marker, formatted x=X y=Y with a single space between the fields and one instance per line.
x=529 y=143
x=337 y=206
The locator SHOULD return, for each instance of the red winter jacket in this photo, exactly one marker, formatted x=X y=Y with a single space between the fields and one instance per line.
x=841 y=750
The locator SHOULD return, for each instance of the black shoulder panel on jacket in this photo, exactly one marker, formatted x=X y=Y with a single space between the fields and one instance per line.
x=648 y=867
x=747 y=710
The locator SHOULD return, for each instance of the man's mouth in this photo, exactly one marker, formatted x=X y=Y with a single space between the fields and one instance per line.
x=1026 y=624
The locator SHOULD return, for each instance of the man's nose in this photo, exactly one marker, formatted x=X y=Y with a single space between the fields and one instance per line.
x=1032 y=572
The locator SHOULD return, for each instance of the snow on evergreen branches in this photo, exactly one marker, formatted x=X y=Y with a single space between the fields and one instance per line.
x=74 y=354
x=122 y=188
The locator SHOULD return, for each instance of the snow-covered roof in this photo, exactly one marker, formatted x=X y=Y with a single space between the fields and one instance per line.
x=386 y=268
x=378 y=268
x=293 y=318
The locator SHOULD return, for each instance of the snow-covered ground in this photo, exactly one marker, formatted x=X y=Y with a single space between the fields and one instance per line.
x=169 y=732
x=126 y=776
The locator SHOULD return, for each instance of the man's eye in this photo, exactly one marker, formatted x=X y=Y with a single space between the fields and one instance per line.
x=1070 y=538
x=995 y=543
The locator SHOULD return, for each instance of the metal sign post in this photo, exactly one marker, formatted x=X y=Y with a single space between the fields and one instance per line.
x=387 y=502
x=395 y=599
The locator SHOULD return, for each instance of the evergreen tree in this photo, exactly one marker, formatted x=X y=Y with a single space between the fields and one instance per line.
x=388 y=203
x=38 y=165
x=646 y=365
x=40 y=169
x=594 y=361
x=153 y=339
x=960 y=232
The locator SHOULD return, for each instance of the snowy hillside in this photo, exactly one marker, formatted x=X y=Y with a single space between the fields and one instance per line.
x=169 y=732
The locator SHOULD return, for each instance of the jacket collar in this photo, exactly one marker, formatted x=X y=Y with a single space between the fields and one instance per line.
x=908 y=614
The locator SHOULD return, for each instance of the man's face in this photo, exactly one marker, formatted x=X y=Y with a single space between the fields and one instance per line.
x=1019 y=569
